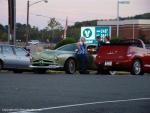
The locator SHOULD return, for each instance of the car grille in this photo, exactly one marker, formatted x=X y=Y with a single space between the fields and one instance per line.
x=42 y=62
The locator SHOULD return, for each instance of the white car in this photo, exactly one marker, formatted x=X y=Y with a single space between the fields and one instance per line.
x=14 y=58
x=34 y=42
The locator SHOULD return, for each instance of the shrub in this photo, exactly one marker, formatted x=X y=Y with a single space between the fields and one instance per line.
x=116 y=40
x=64 y=42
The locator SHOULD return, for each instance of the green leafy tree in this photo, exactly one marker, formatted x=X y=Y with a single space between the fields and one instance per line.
x=3 y=33
x=53 y=24
x=21 y=32
x=35 y=34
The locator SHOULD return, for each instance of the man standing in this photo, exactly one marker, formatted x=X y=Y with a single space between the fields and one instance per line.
x=99 y=42
x=82 y=56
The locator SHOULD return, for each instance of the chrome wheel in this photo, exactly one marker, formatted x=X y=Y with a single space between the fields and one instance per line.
x=112 y=72
x=136 y=68
x=70 y=66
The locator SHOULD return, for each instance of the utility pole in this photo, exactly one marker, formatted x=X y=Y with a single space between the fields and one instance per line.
x=12 y=22
x=28 y=6
x=27 y=23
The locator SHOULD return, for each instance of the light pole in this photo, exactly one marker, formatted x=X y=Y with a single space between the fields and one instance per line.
x=133 y=25
x=29 y=5
x=120 y=2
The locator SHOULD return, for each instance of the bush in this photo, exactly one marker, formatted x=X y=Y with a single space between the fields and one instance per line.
x=64 y=42
x=116 y=40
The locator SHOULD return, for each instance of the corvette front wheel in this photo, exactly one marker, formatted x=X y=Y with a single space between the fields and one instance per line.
x=70 y=66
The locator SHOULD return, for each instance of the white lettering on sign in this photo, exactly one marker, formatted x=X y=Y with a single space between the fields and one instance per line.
x=87 y=32
x=103 y=31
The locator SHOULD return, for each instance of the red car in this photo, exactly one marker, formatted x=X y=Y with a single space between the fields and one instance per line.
x=128 y=55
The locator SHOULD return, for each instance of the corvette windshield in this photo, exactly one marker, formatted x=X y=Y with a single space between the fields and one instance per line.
x=68 y=47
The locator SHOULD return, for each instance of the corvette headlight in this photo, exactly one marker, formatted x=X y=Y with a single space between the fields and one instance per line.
x=56 y=58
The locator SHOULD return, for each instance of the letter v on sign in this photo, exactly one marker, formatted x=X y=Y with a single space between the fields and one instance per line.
x=87 y=33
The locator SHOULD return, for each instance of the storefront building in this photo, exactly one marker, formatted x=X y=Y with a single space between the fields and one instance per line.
x=130 y=29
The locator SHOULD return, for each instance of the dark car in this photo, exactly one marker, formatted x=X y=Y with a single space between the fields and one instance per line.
x=13 y=58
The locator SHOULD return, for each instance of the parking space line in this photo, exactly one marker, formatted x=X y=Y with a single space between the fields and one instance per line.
x=83 y=104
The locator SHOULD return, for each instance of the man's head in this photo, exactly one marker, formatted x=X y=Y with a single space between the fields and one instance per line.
x=106 y=38
x=98 y=38
x=83 y=39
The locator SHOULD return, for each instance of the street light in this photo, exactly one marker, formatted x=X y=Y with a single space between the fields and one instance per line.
x=43 y=16
x=120 y=2
x=29 y=5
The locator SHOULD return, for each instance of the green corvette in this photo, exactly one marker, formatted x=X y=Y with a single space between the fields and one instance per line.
x=62 y=58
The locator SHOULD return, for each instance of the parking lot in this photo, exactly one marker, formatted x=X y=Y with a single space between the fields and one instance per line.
x=64 y=93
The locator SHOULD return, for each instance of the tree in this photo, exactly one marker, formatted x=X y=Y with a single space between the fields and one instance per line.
x=35 y=34
x=21 y=31
x=3 y=33
x=53 y=24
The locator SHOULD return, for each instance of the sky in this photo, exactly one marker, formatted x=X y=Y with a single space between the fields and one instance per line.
x=75 y=10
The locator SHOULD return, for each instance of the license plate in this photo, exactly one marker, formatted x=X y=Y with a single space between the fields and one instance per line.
x=108 y=63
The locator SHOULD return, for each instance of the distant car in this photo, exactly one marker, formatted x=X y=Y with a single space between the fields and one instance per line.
x=34 y=42
x=63 y=58
x=14 y=58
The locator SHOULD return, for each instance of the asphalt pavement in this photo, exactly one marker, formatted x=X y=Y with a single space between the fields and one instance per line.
x=64 y=93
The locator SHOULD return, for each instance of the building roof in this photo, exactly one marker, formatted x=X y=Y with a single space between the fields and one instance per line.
x=124 y=22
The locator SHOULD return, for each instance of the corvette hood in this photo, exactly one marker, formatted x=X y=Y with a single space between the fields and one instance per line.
x=46 y=54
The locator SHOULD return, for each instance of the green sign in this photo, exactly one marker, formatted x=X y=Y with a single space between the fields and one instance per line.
x=103 y=31
x=90 y=33
x=87 y=33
